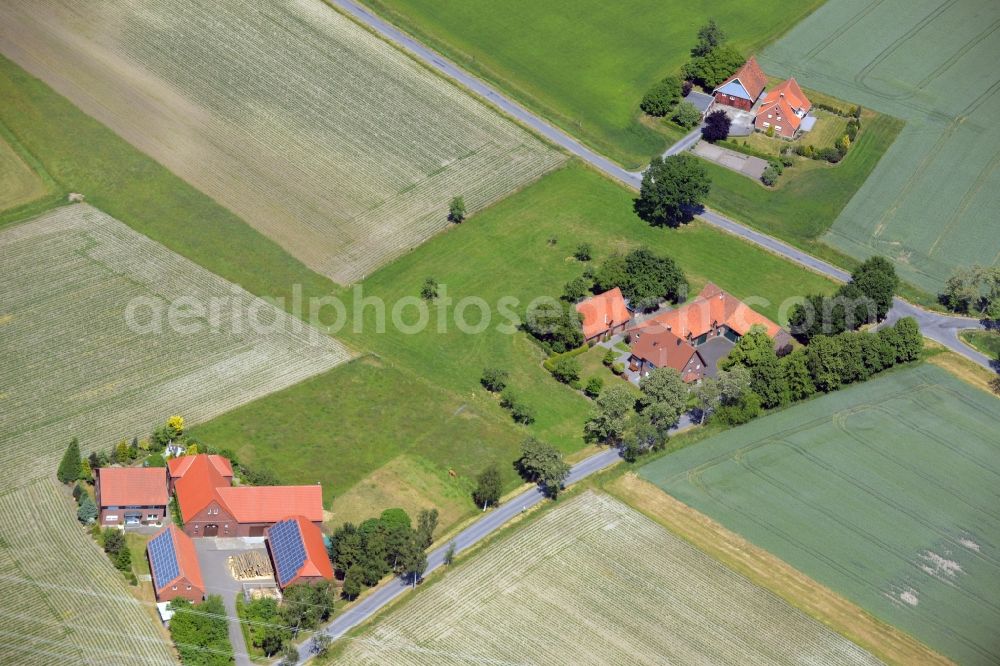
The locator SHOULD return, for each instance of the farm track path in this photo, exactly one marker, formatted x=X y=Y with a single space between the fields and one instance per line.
x=938 y=327
x=941 y=328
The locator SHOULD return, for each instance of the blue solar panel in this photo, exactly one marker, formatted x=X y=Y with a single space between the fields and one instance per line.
x=163 y=557
x=287 y=549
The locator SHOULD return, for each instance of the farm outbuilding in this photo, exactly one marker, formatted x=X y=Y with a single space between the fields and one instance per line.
x=173 y=564
x=298 y=552
x=742 y=89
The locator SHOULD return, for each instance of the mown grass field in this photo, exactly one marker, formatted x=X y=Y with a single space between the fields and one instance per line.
x=18 y=183
x=595 y=582
x=337 y=146
x=61 y=600
x=80 y=362
x=586 y=65
x=810 y=195
x=884 y=492
x=362 y=418
x=929 y=204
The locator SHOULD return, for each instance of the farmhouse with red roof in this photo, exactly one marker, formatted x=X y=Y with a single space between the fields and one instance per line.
x=298 y=553
x=710 y=325
x=784 y=108
x=173 y=565
x=604 y=315
x=131 y=495
x=659 y=348
x=211 y=506
x=742 y=89
x=178 y=467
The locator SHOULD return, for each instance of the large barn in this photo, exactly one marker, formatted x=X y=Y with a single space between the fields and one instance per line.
x=211 y=506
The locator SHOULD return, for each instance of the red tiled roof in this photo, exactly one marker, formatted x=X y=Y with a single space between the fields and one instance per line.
x=603 y=312
x=784 y=99
x=268 y=504
x=187 y=559
x=664 y=349
x=317 y=562
x=179 y=466
x=713 y=306
x=751 y=77
x=133 y=486
x=196 y=488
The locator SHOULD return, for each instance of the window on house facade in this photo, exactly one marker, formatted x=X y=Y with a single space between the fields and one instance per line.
x=111 y=518
x=767 y=124
x=777 y=127
x=174 y=587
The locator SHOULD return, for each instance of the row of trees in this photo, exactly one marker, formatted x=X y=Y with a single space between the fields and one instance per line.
x=363 y=554
x=115 y=546
x=866 y=299
x=637 y=424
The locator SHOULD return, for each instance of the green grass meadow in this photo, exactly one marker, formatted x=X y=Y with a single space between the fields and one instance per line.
x=988 y=342
x=930 y=203
x=886 y=492
x=507 y=252
x=586 y=65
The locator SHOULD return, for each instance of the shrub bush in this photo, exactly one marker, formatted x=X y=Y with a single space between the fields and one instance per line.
x=494 y=380
x=661 y=97
x=618 y=368
x=770 y=176
x=584 y=252
x=566 y=369
x=593 y=387
x=609 y=357
x=686 y=115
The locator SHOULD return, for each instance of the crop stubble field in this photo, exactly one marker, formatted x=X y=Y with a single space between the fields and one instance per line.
x=74 y=367
x=930 y=203
x=595 y=582
x=885 y=492
x=61 y=601
x=326 y=139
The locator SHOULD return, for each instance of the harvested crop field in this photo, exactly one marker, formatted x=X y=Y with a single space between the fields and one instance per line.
x=885 y=492
x=594 y=582
x=337 y=146
x=930 y=203
x=74 y=366
x=61 y=600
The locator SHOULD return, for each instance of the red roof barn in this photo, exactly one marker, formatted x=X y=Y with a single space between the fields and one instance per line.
x=743 y=88
x=131 y=495
x=210 y=506
x=173 y=564
x=298 y=552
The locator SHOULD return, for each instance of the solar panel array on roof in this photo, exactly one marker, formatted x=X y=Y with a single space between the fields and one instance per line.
x=287 y=549
x=163 y=558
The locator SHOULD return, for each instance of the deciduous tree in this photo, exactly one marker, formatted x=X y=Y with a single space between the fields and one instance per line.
x=661 y=98
x=543 y=464
x=716 y=127
x=672 y=189
x=710 y=36
x=489 y=486
x=456 y=210
x=609 y=417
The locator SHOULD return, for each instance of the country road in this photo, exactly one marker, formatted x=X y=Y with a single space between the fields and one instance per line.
x=941 y=328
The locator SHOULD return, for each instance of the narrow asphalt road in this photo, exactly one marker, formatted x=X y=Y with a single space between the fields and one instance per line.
x=938 y=327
